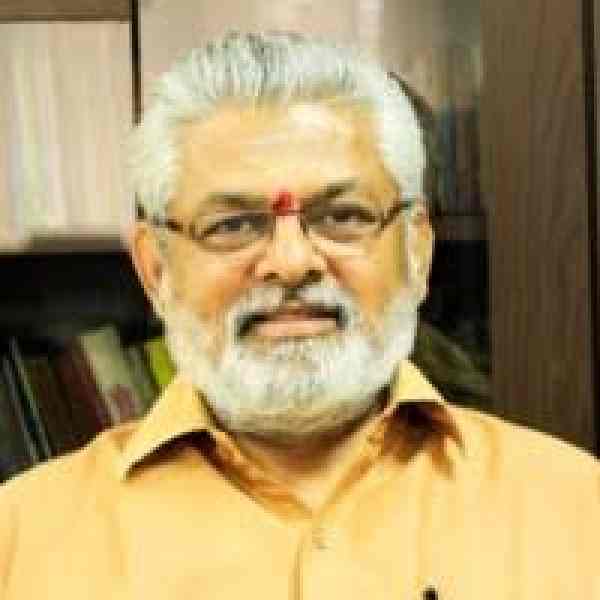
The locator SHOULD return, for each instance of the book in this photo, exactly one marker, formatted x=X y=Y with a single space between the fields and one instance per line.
x=78 y=387
x=18 y=450
x=108 y=362
x=31 y=406
x=50 y=405
x=55 y=411
x=159 y=361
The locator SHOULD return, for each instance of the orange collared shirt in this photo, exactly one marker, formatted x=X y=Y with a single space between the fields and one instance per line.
x=439 y=497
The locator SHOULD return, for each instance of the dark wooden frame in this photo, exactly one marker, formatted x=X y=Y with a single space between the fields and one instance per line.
x=64 y=10
x=592 y=33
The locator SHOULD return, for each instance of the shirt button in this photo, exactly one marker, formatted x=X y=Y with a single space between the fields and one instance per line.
x=321 y=538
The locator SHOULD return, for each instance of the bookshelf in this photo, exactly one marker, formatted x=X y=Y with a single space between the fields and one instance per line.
x=67 y=318
x=69 y=276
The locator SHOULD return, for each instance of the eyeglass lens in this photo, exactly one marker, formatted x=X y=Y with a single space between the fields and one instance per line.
x=345 y=223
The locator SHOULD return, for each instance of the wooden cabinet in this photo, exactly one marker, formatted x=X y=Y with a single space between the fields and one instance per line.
x=537 y=145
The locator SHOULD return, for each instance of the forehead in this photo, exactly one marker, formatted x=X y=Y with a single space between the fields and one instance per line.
x=263 y=149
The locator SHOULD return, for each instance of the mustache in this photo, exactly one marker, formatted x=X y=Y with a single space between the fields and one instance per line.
x=261 y=303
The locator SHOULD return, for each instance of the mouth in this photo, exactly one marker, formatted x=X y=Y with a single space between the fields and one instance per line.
x=297 y=320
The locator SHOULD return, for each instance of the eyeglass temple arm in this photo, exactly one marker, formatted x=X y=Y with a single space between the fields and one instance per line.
x=396 y=209
x=141 y=215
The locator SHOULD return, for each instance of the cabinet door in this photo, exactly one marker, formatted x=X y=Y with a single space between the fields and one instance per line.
x=507 y=324
x=535 y=176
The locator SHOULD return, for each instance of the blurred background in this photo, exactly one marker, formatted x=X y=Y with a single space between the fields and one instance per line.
x=506 y=94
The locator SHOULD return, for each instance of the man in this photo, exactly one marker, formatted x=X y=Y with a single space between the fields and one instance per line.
x=298 y=453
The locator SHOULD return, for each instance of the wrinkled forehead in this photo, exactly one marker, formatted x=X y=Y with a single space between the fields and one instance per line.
x=280 y=152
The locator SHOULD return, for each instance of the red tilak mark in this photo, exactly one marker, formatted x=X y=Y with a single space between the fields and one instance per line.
x=284 y=203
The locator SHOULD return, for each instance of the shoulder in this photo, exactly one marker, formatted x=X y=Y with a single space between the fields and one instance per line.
x=505 y=449
x=38 y=506
x=66 y=479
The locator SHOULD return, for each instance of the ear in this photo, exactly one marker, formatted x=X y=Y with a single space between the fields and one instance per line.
x=420 y=239
x=146 y=256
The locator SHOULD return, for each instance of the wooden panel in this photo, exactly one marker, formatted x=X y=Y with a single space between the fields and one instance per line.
x=592 y=18
x=64 y=10
x=534 y=175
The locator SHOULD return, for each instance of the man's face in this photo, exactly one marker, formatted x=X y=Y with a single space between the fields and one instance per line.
x=302 y=150
x=298 y=346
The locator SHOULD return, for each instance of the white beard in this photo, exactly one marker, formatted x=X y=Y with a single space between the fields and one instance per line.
x=289 y=389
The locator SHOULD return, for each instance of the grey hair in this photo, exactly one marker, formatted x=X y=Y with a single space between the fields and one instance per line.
x=255 y=67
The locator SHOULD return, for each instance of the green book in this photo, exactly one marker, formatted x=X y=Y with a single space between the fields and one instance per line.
x=159 y=361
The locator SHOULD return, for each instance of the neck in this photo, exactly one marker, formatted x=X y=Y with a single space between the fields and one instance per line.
x=311 y=466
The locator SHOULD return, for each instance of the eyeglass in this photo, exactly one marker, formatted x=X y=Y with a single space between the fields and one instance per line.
x=343 y=223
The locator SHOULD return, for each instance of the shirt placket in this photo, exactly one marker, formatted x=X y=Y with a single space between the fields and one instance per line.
x=317 y=556
x=317 y=569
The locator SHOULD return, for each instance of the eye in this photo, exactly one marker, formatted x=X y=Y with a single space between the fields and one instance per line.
x=229 y=225
x=232 y=230
x=343 y=222
x=347 y=216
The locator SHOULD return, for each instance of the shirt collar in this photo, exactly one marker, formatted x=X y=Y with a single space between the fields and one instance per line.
x=181 y=410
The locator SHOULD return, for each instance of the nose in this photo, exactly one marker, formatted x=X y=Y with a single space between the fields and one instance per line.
x=290 y=259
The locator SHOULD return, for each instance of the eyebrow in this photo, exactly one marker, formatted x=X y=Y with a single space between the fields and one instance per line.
x=237 y=199
x=246 y=200
x=332 y=191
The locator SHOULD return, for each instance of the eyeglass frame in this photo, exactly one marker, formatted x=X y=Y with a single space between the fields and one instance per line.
x=185 y=229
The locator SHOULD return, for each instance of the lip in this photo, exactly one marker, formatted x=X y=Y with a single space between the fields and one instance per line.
x=289 y=325
x=294 y=315
x=294 y=321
